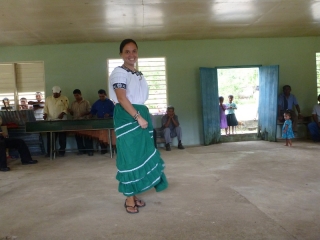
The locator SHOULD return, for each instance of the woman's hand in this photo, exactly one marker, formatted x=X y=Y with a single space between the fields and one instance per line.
x=142 y=122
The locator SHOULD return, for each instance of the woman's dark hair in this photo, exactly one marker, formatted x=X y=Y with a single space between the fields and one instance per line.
x=125 y=42
x=220 y=98
x=76 y=91
x=230 y=96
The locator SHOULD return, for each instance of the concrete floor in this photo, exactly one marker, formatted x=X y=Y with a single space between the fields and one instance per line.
x=244 y=190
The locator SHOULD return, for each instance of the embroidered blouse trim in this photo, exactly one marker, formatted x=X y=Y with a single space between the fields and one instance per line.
x=138 y=73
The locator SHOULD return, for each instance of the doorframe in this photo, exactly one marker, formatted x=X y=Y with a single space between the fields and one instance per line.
x=208 y=82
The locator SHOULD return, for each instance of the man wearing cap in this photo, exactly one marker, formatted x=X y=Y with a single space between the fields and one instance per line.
x=56 y=108
x=19 y=144
x=103 y=108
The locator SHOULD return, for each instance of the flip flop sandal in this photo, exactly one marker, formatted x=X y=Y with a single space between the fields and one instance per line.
x=126 y=207
x=142 y=204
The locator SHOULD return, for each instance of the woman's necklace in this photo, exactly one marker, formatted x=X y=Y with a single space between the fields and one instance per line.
x=133 y=71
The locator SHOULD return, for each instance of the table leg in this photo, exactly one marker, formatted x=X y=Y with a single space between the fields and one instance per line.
x=110 y=143
x=54 y=146
x=51 y=148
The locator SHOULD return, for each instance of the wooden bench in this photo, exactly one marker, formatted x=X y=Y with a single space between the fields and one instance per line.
x=160 y=138
x=303 y=121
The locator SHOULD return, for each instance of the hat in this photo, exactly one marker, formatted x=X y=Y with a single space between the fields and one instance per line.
x=56 y=89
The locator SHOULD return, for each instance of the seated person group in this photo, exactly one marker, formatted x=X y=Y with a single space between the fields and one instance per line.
x=288 y=102
x=56 y=107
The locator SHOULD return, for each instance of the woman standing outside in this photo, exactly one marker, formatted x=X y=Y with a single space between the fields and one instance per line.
x=139 y=164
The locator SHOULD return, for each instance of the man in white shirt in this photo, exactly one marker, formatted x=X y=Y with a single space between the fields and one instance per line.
x=38 y=106
x=314 y=127
x=56 y=108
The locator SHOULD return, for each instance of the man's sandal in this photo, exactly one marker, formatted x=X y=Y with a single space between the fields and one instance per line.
x=127 y=206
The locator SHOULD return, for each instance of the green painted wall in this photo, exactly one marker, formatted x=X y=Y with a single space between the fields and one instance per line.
x=84 y=66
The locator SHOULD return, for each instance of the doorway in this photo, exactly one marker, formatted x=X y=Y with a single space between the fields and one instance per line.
x=267 y=108
x=243 y=84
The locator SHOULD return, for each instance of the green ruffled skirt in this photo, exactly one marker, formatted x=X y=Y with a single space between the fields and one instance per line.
x=139 y=164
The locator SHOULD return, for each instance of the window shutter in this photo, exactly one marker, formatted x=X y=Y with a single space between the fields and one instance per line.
x=7 y=79
x=154 y=70
x=30 y=77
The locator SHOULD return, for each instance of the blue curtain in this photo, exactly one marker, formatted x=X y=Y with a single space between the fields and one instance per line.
x=210 y=105
x=268 y=98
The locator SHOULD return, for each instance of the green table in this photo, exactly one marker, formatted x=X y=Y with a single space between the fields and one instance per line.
x=69 y=126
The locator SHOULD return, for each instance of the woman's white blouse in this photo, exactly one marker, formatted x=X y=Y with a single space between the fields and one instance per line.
x=137 y=90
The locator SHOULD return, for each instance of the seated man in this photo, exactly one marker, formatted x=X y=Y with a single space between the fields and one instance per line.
x=80 y=109
x=19 y=144
x=171 y=128
x=103 y=108
x=287 y=101
x=314 y=127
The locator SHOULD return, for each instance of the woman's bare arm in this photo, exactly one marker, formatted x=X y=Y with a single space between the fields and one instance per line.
x=126 y=104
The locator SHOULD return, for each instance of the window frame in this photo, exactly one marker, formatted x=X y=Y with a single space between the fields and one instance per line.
x=318 y=72
x=18 y=82
x=161 y=105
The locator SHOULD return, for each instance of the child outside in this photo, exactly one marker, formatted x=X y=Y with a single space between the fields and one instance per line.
x=223 y=118
x=287 y=132
x=231 y=117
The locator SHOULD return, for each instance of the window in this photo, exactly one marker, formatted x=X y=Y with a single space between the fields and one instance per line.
x=318 y=72
x=20 y=80
x=154 y=71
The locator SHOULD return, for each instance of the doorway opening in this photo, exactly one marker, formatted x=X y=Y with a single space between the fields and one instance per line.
x=243 y=84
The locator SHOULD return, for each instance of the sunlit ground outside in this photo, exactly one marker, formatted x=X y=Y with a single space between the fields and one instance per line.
x=243 y=84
